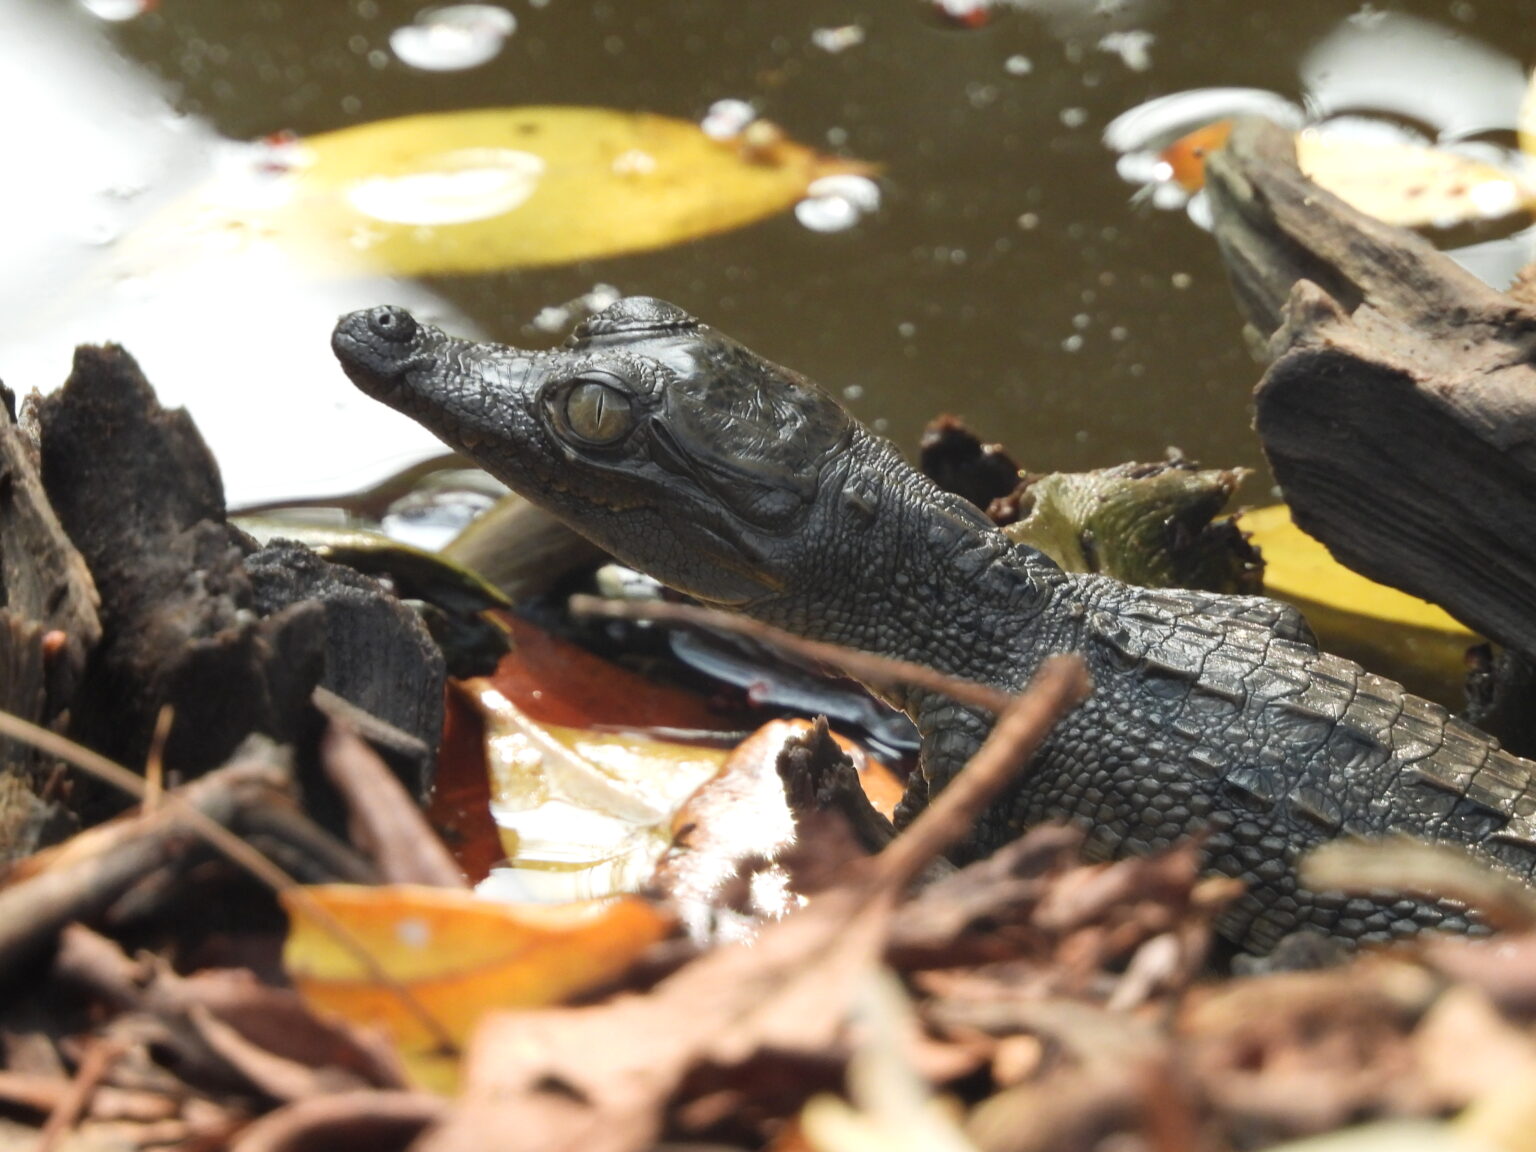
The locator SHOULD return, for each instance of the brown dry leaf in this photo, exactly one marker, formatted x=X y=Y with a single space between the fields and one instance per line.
x=556 y=682
x=378 y=1121
x=596 y=1079
x=1503 y=968
x=741 y=818
x=1466 y=1050
x=892 y=1108
x=385 y=821
x=1304 y=1052
x=458 y=956
x=764 y=1023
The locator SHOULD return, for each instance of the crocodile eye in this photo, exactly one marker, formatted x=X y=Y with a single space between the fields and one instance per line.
x=598 y=413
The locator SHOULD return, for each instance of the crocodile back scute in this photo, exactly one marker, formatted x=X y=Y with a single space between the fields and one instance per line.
x=1215 y=721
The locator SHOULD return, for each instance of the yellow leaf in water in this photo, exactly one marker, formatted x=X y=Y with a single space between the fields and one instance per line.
x=478 y=191
x=1386 y=630
x=1525 y=121
x=458 y=956
x=1411 y=185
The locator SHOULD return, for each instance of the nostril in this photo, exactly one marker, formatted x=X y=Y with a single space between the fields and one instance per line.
x=392 y=323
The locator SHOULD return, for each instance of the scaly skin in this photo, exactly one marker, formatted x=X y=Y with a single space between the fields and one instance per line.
x=735 y=480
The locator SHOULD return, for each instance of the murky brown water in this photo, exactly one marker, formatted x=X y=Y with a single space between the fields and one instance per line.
x=1094 y=331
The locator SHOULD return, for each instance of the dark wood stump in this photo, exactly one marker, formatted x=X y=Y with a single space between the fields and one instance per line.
x=1399 y=408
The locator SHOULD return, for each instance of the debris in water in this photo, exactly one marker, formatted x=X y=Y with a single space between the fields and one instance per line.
x=454 y=38
x=837 y=203
x=839 y=39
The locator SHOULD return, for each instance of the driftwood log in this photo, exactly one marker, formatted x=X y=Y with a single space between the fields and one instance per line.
x=1399 y=407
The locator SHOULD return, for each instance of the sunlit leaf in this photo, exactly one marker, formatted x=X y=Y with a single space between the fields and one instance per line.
x=548 y=680
x=582 y=813
x=742 y=815
x=1526 y=120
x=488 y=189
x=1399 y=181
x=1410 y=185
x=458 y=956
x=1387 y=630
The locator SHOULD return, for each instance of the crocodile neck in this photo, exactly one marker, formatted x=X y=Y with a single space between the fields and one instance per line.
x=910 y=571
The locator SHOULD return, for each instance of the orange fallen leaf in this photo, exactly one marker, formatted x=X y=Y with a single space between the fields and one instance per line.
x=458 y=956
x=1185 y=157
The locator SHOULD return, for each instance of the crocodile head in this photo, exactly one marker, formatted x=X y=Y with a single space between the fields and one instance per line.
x=668 y=444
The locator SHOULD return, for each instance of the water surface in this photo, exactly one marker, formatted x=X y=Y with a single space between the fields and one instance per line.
x=1008 y=275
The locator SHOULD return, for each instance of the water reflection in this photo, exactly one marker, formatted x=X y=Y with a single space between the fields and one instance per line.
x=117 y=11
x=223 y=325
x=458 y=187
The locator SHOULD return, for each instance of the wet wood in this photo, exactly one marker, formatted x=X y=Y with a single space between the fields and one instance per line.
x=48 y=627
x=235 y=639
x=81 y=880
x=1399 y=408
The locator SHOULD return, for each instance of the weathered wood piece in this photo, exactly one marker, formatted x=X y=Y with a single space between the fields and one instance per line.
x=1399 y=408
x=234 y=639
x=48 y=625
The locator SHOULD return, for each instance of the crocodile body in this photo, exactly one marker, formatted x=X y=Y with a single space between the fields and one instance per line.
x=740 y=482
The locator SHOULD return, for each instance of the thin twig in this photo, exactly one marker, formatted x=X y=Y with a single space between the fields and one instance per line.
x=94 y=1065
x=236 y=849
x=865 y=667
x=154 y=762
x=1060 y=685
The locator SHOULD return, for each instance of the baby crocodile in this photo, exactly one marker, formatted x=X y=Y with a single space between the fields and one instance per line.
x=743 y=484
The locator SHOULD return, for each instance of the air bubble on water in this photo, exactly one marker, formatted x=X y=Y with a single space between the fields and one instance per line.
x=1200 y=212
x=838 y=39
x=826 y=214
x=453 y=38
x=836 y=203
x=1018 y=65
x=727 y=119
x=862 y=192
x=1134 y=48
x=1073 y=343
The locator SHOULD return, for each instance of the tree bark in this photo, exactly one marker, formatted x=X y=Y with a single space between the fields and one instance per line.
x=1399 y=408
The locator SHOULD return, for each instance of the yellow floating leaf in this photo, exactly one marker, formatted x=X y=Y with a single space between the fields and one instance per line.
x=1525 y=122
x=459 y=956
x=496 y=188
x=1387 y=630
x=1411 y=185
